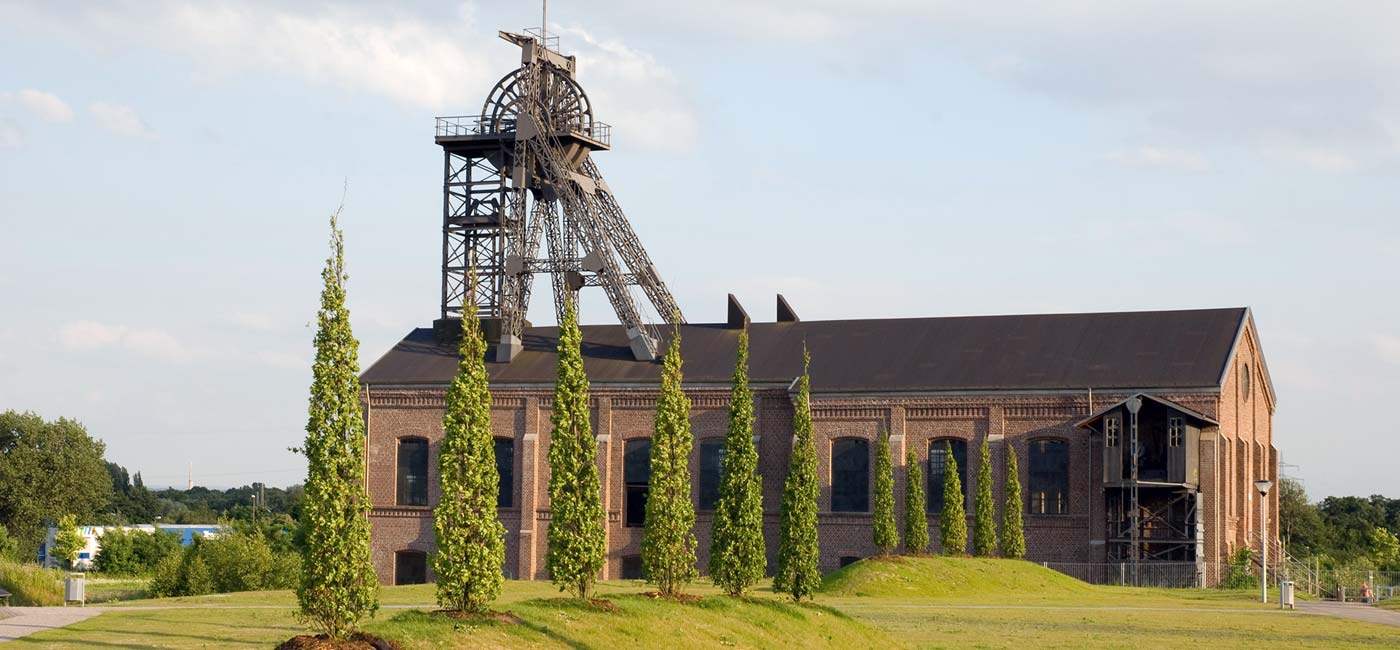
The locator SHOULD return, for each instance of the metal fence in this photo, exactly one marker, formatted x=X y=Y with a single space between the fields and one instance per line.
x=1145 y=574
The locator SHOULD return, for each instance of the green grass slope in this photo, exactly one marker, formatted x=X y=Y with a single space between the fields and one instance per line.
x=944 y=577
x=642 y=622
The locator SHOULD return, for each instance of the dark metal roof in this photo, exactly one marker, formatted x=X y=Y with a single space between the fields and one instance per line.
x=1159 y=349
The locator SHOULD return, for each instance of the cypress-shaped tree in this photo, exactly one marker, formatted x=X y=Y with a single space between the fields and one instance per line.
x=576 y=536
x=952 y=522
x=984 y=524
x=797 y=572
x=886 y=530
x=737 y=553
x=915 y=516
x=338 y=585
x=668 y=536
x=1013 y=538
x=470 y=539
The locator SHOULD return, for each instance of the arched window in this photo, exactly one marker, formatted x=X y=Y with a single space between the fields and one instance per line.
x=636 y=477
x=413 y=472
x=711 y=463
x=850 y=475
x=505 y=467
x=1049 y=474
x=410 y=568
x=937 y=462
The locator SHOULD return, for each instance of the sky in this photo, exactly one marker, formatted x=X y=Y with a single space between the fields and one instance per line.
x=167 y=170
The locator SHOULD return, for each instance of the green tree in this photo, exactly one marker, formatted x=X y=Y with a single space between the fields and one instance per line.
x=576 y=536
x=338 y=586
x=1013 y=536
x=886 y=530
x=68 y=541
x=1300 y=523
x=952 y=521
x=915 y=515
x=9 y=546
x=668 y=536
x=984 y=524
x=1385 y=549
x=737 y=554
x=470 y=539
x=797 y=573
x=48 y=469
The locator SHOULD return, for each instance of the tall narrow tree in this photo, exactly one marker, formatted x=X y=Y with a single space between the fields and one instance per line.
x=737 y=554
x=984 y=523
x=952 y=521
x=915 y=515
x=338 y=586
x=886 y=530
x=1013 y=538
x=576 y=536
x=668 y=535
x=470 y=539
x=797 y=573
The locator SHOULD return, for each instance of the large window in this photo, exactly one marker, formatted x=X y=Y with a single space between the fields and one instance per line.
x=413 y=472
x=636 y=477
x=938 y=463
x=505 y=467
x=850 y=475
x=410 y=568
x=1112 y=428
x=1049 y=473
x=711 y=463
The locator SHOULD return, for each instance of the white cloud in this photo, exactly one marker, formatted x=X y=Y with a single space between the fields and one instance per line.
x=1388 y=347
x=46 y=106
x=1148 y=156
x=86 y=335
x=629 y=89
x=445 y=66
x=119 y=119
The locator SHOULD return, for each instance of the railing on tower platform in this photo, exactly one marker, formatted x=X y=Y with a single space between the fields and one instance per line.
x=468 y=125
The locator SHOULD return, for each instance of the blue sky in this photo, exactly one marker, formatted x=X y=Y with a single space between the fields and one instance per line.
x=166 y=170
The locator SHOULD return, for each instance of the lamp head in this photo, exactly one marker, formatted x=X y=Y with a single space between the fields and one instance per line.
x=1263 y=487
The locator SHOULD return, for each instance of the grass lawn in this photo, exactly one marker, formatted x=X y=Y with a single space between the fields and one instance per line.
x=921 y=603
x=104 y=591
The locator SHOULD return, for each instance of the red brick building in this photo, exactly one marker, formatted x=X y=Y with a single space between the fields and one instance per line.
x=1053 y=388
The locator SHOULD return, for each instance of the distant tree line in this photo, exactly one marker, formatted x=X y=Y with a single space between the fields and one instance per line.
x=1341 y=532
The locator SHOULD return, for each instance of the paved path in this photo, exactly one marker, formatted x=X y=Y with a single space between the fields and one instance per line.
x=1352 y=611
x=16 y=622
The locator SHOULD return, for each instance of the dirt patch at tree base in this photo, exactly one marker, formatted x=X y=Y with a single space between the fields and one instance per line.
x=678 y=598
x=357 y=641
x=504 y=618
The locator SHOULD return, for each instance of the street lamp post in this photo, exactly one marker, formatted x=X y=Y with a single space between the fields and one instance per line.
x=1263 y=488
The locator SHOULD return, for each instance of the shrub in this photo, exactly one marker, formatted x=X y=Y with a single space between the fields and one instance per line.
x=68 y=540
x=1240 y=572
x=9 y=546
x=166 y=581
x=197 y=578
x=29 y=584
x=134 y=552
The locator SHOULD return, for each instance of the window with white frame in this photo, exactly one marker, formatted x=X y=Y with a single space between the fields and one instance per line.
x=1176 y=430
x=1111 y=428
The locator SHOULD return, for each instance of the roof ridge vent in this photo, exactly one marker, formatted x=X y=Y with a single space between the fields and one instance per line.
x=785 y=312
x=738 y=318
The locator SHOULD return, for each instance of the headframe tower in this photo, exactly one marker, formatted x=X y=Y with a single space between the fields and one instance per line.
x=521 y=174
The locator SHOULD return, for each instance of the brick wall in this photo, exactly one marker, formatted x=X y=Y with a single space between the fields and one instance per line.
x=914 y=422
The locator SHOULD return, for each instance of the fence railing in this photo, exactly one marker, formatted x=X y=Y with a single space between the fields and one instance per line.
x=1176 y=575
x=453 y=126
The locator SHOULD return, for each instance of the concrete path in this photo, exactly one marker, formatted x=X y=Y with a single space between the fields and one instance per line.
x=1352 y=611
x=16 y=622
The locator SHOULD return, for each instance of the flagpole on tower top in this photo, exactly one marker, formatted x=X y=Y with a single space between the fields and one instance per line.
x=544 y=19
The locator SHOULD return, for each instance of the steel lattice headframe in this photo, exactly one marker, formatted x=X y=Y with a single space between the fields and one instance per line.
x=520 y=172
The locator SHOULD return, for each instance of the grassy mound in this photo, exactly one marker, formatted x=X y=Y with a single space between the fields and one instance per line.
x=640 y=622
x=31 y=585
x=944 y=577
